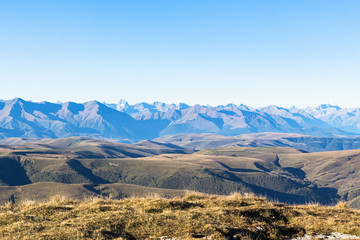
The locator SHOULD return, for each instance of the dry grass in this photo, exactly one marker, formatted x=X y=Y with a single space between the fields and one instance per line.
x=193 y=216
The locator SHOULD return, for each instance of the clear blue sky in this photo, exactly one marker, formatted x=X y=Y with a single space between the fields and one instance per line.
x=298 y=52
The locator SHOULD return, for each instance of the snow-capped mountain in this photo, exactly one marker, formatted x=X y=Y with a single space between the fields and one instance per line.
x=346 y=119
x=146 y=111
x=232 y=119
x=19 y=118
x=126 y=122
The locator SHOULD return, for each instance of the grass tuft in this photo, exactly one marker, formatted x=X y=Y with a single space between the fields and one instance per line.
x=238 y=216
x=342 y=205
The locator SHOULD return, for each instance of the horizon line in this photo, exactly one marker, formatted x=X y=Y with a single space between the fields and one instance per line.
x=178 y=103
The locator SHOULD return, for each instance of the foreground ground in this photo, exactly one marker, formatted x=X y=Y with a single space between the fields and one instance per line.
x=190 y=217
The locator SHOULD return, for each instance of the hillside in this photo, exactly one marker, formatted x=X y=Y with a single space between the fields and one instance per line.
x=91 y=165
x=205 y=173
x=42 y=191
x=190 y=217
x=336 y=170
x=81 y=147
x=266 y=139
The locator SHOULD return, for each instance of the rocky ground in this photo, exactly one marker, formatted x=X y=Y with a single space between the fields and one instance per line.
x=334 y=235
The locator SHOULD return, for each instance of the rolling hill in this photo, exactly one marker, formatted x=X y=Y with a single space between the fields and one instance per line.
x=281 y=173
x=302 y=142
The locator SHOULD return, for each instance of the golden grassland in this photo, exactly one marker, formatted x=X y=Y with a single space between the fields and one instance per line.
x=190 y=217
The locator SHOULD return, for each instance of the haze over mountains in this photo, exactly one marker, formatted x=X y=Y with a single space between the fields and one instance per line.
x=132 y=123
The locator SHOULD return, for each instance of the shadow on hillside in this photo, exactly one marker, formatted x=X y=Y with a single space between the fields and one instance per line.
x=12 y=173
x=296 y=172
x=92 y=188
x=88 y=154
x=115 y=150
x=325 y=196
x=87 y=173
x=237 y=169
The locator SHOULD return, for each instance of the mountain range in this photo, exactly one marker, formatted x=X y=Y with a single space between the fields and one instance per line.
x=132 y=123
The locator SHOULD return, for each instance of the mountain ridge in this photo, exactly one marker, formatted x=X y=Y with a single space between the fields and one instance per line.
x=132 y=123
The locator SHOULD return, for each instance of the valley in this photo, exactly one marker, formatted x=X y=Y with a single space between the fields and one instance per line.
x=81 y=167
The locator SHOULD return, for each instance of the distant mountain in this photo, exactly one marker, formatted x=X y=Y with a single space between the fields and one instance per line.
x=133 y=123
x=230 y=119
x=346 y=119
x=19 y=118
x=323 y=121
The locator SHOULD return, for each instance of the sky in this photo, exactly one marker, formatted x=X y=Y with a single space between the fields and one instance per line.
x=258 y=52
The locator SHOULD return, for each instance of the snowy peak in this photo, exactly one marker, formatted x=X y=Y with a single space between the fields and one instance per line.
x=122 y=105
x=182 y=106
x=280 y=118
x=328 y=106
x=272 y=109
x=126 y=122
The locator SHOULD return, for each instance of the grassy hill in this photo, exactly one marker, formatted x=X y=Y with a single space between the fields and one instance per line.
x=81 y=147
x=193 y=216
x=208 y=173
x=337 y=170
x=283 y=174
x=264 y=139
x=42 y=191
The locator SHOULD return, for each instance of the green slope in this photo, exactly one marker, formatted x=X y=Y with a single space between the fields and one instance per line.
x=283 y=174
x=44 y=190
